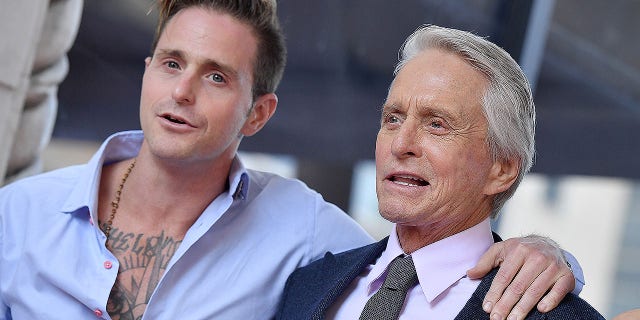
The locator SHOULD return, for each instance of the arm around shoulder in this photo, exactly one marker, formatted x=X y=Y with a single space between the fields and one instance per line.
x=335 y=231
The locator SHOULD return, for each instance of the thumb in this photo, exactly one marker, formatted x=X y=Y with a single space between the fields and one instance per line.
x=489 y=260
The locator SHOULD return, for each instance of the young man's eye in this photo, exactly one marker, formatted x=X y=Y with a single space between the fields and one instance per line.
x=173 y=65
x=216 y=77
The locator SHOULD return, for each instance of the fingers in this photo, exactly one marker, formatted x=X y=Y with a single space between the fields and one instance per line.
x=530 y=267
x=504 y=277
x=525 y=291
x=489 y=260
x=563 y=285
x=560 y=281
x=515 y=283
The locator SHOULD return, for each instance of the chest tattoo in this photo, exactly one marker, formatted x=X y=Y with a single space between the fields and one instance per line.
x=143 y=259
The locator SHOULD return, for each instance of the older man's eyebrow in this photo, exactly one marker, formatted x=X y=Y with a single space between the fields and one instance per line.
x=389 y=107
x=438 y=112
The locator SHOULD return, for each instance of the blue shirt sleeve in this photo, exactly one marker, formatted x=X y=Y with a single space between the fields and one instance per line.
x=335 y=231
x=577 y=271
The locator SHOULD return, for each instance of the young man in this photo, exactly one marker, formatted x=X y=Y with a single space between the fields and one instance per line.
x=170 y=224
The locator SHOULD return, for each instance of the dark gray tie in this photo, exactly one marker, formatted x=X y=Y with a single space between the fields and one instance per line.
x=387 y=302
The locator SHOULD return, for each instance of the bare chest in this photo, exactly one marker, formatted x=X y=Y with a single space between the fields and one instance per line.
x=143 y=260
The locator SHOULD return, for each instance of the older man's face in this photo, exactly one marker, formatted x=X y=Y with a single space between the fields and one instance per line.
x=434 y=171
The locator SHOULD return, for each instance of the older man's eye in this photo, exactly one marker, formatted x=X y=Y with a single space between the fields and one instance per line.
x=390 y=118
x=438 y=126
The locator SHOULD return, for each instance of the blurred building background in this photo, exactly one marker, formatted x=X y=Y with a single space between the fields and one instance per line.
x=582 y=56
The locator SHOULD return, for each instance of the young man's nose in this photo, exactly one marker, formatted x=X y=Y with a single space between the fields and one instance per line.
x=185 y=89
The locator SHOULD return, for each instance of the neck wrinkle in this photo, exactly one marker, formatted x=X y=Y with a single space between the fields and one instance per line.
x=412 y=238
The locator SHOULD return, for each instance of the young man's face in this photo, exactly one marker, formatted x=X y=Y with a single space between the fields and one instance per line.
x=197 y=88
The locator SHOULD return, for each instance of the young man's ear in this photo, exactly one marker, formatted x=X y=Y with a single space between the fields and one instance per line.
x=263 y=108
x=502 y=175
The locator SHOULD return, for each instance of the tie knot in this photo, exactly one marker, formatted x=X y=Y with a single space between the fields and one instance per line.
x=401 y=275
x=388 y=301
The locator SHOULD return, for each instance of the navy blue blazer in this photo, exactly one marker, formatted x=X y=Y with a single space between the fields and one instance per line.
x=311 y=290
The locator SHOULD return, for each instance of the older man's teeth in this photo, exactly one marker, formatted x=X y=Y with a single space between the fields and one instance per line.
x=409 y=181
x=405 y=183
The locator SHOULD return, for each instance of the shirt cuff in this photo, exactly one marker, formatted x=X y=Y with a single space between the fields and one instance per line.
x=577 y=271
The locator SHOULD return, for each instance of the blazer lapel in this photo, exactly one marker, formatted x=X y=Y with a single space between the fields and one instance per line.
x=473 y=308
x=342 y=269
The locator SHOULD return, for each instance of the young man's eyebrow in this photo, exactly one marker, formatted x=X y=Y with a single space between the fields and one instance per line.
x=209 y=63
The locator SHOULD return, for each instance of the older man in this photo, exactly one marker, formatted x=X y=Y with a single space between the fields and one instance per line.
x=456 y=139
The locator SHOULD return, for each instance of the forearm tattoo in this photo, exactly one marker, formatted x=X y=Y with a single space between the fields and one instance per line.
x=143 y=259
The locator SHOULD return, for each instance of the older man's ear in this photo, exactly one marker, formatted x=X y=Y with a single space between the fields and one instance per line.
x=502 y=175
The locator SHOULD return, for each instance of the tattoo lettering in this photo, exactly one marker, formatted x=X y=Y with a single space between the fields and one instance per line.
x=143 y=259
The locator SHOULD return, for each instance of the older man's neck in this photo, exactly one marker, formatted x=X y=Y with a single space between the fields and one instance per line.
x=413 y=238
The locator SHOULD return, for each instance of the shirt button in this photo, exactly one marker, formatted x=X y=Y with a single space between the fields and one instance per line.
x=108 y=265
x=98 y=312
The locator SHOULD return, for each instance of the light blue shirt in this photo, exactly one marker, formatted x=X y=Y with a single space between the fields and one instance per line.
x=232 y=263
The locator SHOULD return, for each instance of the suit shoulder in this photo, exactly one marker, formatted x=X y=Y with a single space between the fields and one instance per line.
x=319 y=283
x=571 y=307
x=332 y=264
